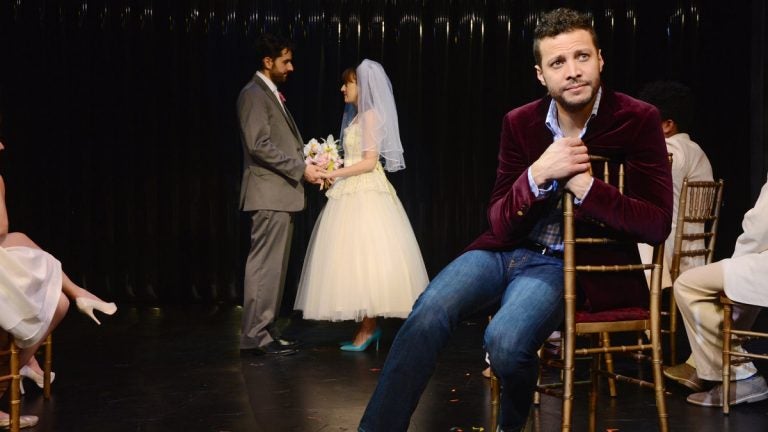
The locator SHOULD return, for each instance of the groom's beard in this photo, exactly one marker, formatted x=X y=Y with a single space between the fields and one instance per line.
x=277 y=77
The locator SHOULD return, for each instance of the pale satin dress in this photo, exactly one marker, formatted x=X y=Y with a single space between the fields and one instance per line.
x=30 y=287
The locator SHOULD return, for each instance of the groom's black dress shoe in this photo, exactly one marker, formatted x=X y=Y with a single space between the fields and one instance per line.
x=272 y=348
x=287 y=343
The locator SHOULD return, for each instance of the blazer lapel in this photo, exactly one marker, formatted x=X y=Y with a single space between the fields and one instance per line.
x=283 y=109
x=292 y=123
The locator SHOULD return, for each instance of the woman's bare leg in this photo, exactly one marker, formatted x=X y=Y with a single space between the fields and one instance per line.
x=61 y=309
x=71 y=289
x=34 y=365
x=366 y=329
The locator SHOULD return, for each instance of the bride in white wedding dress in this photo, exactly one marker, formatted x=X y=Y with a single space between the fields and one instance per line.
x=363 y=260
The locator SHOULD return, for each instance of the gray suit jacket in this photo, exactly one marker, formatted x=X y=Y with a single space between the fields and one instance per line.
x=273 y=161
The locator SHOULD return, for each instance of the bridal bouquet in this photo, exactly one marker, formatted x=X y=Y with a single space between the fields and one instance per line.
x=324 y=154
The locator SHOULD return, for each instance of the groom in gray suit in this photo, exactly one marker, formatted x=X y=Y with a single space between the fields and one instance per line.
x=271 y=191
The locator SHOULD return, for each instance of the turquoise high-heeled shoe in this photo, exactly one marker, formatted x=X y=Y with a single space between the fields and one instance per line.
x=374 y=337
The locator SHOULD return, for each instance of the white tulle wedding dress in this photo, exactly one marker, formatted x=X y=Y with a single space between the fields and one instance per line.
x=363 y=259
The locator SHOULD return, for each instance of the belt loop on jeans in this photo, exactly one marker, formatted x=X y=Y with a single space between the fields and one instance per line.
x=540 y=248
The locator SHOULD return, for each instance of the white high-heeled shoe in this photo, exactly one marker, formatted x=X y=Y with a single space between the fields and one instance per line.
x=25 y=421
x=30 y=373
x=87 y=305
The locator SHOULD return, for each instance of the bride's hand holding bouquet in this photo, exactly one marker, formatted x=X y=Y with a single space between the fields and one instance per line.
x=325 y=155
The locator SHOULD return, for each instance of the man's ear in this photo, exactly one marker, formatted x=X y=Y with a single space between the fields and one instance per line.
x=267 y=63
x=600 y=60
x=540 y=75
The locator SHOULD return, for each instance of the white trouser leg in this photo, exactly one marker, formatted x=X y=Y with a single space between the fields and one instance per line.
x=696 y=292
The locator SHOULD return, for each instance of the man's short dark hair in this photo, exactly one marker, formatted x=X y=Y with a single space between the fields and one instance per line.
x=560 y=21
x=272 y=46
x=673 y=100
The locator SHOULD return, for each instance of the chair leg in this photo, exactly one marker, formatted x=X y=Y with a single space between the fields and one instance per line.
x=536 y=394
x=658 y=383
x=594 y=385
x=47 y=367
x=606 y=342
x=495 y=396
x=495 y=389
x=658 y=376
x=672 y=328
x=568 y=383
x=14 y=412
x=727 y=325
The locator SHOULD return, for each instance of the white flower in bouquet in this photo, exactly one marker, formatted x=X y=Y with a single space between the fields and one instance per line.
x=312 y=148
x=324 y=154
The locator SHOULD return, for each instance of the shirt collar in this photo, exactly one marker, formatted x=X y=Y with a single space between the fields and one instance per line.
x=268 y=81
x=554 y=126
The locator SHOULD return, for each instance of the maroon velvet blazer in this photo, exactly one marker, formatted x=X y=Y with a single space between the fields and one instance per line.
x=624 y=129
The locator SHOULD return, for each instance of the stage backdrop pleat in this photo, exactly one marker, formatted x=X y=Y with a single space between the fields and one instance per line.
x=123 y=153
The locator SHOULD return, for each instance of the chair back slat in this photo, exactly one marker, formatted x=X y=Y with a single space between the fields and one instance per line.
x=698 y=206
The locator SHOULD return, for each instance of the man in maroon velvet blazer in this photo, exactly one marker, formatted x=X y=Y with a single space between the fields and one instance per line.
x=622 y=130
x=545 y=147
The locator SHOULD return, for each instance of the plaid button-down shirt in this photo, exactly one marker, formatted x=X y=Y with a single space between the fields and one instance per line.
x=548 y=230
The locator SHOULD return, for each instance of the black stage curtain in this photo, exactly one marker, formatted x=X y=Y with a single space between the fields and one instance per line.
x=124 y=158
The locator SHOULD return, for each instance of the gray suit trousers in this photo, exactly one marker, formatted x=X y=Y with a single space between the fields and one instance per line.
x=265 y=271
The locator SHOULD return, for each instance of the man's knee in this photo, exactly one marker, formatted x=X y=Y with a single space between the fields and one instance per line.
x=429 y=310
x=682 y=287
x=506 y=350
x=686 y=289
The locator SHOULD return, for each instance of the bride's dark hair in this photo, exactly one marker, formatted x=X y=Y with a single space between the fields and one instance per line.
x=349 y=75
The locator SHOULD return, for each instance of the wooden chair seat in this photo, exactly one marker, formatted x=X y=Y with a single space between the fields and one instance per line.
x=624 y=314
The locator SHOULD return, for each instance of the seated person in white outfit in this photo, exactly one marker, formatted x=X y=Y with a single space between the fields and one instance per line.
x=34 y=297
x=744 y=278
x=675 y=104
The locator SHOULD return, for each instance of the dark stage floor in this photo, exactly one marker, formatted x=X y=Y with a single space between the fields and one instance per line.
x=179 y=369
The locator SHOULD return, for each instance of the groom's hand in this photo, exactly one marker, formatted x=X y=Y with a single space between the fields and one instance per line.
x=312 y=174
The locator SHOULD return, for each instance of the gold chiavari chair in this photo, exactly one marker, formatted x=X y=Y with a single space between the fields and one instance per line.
x=599 y=325
x=695 y=235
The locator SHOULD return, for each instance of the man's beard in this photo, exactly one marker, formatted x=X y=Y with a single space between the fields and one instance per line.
x=578 y=105
x=278 y=78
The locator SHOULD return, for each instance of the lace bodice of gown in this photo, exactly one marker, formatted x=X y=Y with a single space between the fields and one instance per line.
x=374 y=180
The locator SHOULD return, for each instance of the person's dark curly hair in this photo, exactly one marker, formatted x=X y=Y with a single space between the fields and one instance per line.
x=673 y=100
x=558 y=21
x=272 y=46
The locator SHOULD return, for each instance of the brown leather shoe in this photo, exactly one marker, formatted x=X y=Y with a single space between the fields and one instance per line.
x=685 y=374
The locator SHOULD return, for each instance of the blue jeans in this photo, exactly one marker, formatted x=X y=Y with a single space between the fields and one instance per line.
x=530 y=287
